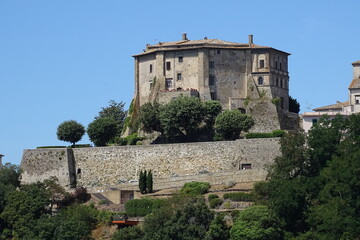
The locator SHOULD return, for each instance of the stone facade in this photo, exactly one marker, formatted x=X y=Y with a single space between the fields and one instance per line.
x=232 y=73
x=102 y=166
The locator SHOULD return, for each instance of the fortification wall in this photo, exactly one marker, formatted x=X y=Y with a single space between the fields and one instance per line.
x=110 y=166
x=41 y=164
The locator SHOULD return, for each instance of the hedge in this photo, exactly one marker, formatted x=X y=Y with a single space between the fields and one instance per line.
x=215 y=202
x=142 y=207
x=275 y=133
x=240 y=196
x=212 y=196
x=195 y=188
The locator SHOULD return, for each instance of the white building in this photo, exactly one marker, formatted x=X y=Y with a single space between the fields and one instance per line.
x=342 y=108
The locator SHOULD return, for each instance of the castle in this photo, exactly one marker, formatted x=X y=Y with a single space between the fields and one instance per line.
x=352 y=105
x=248 y=77
x=240 y=76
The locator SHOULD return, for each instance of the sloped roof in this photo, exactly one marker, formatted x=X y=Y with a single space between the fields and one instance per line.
x=202 y=43
x=356 y=63
x=355 y=83
x=338 y=105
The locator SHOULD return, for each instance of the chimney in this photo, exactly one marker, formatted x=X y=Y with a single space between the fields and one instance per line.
x=184 y=37
x=251 y=39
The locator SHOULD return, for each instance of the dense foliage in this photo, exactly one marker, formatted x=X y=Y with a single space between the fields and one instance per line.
x=294 y=105
x=230 y=123
x=70 y=131
x=183 y=119
x=102 y=130
x=195 y=188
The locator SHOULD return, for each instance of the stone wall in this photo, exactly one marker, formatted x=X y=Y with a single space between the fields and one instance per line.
x=109 y=166
x=41 y=164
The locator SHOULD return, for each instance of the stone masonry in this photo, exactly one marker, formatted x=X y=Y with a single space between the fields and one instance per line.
x=107 y=166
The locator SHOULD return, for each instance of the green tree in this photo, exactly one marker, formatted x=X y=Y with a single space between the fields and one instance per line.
x=255 y=223
x=149 y=182
x=142 y=182
x=70 y=131
x=24 y=207
x=102 y=130
x=182 y=117
x=116 y=112
x=128 y=233
x=231 y=122
x=217 y=229
x=294 y=105
x=149 y=117
x=191 y=221
x=212 y=110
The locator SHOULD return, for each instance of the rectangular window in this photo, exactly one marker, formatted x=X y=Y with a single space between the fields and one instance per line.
x=357 y=99
x=246 y=166
x=280 y=67
x=181 y=59
x=211 y=64
x=169 y=83
x=179 y=76
x=218 y=51
x=150 y=68
x=262 y=63
x=314 y=121
x=168 y=66
x=211 y=80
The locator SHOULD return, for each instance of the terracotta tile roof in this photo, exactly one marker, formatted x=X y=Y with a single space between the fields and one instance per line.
x=203 y=43
x=338 y=105
x=355 y=83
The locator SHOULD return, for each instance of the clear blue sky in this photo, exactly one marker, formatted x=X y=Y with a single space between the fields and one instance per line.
x=65 y=59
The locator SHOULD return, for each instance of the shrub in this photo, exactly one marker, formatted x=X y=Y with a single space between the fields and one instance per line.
x=104 y=216
x=142 y=207
x=212 y=196
x=214 y=203
x=195 y=188
x=239 y=196
x=258 y=135
x=278 y=133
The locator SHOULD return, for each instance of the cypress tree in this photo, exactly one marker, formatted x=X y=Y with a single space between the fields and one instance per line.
x=149 y=182
x=141 y=182
x=144 y=182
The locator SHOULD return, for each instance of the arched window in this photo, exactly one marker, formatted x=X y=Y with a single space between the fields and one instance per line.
x=260 y=81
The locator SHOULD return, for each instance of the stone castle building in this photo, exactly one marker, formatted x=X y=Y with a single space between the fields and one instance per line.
x=352 y=105
x=211 y=69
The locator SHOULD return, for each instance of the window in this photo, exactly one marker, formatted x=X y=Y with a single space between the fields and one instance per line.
x=211 y=80
x=277 y=82
x=181 y=59
x=314 y=121
x=213 y=96
x=178 y=76
x=79 y=171
x=150 y=68
x=262 y=63
x=357 y=99
x=280 y=66
x=168 y=66
x=260 y=81
x=218 y=51
x=282 y=102
x=246 y=166
x=276 y=64
x=169 y=83
x=211 y=64
x=281 y=82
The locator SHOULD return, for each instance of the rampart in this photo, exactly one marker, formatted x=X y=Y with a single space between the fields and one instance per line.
x=109 y=166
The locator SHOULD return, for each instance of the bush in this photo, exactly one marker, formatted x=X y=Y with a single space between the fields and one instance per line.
x=239 y=196
x=105 y=216
x=132 y=233
x=214 y=203
x=275 y=133
x=142 y=207
x=195 y=188
x=258 y=135
x=278 y=133
x=212 y=196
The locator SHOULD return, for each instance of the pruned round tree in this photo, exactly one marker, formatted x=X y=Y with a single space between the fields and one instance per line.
x=70 y=131
x=230 y=123
x=102 y=130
